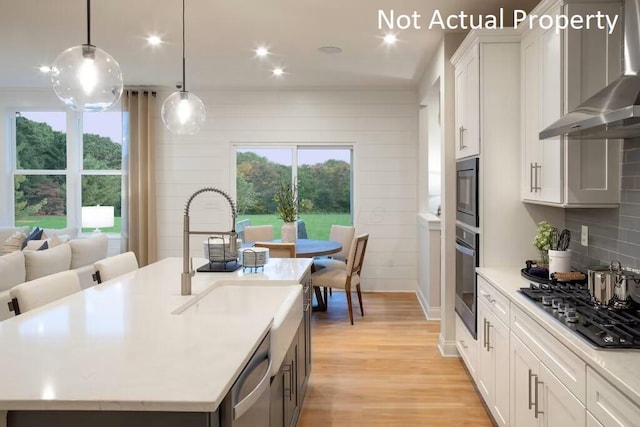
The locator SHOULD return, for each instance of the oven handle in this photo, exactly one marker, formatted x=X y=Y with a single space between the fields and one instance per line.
x=465 y=250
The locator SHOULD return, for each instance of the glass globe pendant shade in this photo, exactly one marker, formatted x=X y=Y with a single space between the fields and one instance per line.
x=183 y=113
x=87 y=78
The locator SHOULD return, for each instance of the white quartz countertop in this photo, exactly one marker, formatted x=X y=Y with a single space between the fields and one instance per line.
x=620 y=367
x=132 y=343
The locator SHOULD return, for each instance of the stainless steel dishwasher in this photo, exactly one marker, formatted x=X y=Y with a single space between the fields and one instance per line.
x=247 y=403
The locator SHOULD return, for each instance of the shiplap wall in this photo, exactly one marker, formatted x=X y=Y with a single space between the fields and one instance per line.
x=380 y=125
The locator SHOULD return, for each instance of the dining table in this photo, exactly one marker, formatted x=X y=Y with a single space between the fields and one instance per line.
x=310 y=248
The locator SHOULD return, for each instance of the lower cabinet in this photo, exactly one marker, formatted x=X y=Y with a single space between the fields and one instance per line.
x=493 y=357
x=284 y=391
x=539 y=398
x=606 y=406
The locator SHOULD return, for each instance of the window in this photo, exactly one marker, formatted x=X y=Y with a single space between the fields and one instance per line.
x=323 y=176
x=65 y=160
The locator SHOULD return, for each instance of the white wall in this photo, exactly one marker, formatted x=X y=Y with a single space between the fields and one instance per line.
x=381 y=125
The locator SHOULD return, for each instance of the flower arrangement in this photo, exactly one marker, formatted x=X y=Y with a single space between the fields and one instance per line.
x=542 y=241
x=287 y=201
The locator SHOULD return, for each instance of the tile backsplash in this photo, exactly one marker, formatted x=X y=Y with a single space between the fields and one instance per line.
x=614 y=234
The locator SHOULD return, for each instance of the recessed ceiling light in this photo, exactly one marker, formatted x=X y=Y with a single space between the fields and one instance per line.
x=390 y=39
x=330 y=50
x=154 y=40
x=262 y=51
x=277 y=71
x=44 y=69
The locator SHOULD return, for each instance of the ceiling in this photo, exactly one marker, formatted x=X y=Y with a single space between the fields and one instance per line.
x=221 y=36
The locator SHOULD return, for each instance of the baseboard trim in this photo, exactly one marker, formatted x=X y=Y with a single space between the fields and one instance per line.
x=430 y=313
x=447 y=348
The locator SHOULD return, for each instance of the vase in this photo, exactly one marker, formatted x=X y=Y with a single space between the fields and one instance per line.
x=544 y=258
x=289 y=232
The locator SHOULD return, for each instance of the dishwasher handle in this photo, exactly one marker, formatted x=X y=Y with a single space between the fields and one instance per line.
x=245 y=404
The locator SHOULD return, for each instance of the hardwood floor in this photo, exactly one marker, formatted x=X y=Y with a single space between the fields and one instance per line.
x=385 y=370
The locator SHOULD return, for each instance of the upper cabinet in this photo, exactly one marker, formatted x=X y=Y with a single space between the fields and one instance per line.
x=468 y=103
x=559 y=70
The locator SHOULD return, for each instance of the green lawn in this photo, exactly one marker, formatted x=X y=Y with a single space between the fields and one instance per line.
x=60 y=222
x=318 y=225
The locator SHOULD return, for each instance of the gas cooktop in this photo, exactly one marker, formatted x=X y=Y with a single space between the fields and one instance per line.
x=616 y=325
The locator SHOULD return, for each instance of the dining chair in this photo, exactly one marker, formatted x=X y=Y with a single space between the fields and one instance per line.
x=35 y=293
x=258 y=233
x=115 y=266
x=347 y=278
x=278 y=250
x=344 y=235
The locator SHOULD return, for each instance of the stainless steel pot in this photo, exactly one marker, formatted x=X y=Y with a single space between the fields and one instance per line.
x=613 y=283
x=601 y=284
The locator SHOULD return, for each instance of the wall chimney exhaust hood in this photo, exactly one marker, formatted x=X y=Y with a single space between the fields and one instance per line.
x=614 y=112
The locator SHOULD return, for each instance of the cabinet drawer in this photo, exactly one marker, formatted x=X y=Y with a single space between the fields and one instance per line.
x=467 y=347
x=607 y=404
x=498 y=303
x=569 y=368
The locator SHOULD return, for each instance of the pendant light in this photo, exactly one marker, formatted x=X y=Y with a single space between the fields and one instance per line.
x=183 y=112
x=85 y=77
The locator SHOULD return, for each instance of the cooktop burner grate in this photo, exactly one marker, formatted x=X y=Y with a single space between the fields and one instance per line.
x=613 y=326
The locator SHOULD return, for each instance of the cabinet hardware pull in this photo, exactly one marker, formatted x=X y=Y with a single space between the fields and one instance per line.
x=488 y=297
x=484 y=341
x=489 y=326
x=530 y=401
x=536 y=412
x=287 y=369
x=530 y=177
x=462 y=146
x=537 y=168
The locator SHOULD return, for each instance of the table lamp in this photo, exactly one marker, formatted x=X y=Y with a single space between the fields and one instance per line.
x=98 y=217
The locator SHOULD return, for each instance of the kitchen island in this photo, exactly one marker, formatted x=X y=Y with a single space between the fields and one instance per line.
x=135 y=344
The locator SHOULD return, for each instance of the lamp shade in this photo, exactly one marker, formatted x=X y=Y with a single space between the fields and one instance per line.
x=97 y=216
x=87 y=78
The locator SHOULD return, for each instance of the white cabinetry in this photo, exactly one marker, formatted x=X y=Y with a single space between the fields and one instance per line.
x=559 y=70
x=539 y=398
x=493 y=351
x=467 y=347
x=606 y=406
x=468 y=104
x=549 y=381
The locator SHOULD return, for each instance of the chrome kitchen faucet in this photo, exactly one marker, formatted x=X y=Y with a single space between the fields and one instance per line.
x=187 y=263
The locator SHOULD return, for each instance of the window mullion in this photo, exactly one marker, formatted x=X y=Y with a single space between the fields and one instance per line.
x=74 y=157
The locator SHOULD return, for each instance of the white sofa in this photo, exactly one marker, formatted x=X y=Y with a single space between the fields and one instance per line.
x=23 y=266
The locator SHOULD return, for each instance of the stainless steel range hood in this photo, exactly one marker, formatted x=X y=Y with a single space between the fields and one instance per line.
x=614 y=112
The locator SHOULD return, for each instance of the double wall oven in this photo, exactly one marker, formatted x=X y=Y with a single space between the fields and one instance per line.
x=467 y=241
x=466 y=284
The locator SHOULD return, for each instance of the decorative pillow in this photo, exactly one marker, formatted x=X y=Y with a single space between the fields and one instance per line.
x=14 y=243
x=12 y=271
x=88 y=251
x=44 y=246
x=35 y=245
x=6 y=232
x=36 y=234
x=43 y=263
x=56 y=240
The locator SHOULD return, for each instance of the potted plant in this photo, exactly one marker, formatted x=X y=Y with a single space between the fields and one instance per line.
x=287 y=201
x=542 y=241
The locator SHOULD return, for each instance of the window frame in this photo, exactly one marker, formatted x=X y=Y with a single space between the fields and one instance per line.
x=295 y=146
x=73 y=172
